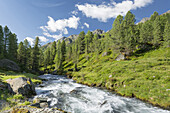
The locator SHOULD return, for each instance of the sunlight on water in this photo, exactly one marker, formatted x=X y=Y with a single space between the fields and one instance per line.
x=76 y=98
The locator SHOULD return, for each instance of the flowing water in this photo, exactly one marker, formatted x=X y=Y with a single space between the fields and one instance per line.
x=70 y=96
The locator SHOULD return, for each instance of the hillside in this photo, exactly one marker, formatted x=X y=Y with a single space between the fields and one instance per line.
x=146 y=77
x=131 y=59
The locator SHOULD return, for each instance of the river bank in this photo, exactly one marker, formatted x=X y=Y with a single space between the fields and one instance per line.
x=146 y=77
x=70 y=96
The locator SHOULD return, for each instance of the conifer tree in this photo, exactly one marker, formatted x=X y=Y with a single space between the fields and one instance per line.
x=47 y=57
x=146 y=35
x=57 y=59
x=26 y=53
x=35 y=55
x=167 y=35
x=81 y=42
x=6 y=36
x=1 y=42
x=12 y=47
x=153 y=16
x=52 y=52
x=21 y=55
x=88 y=42
x=117 y=32
x=129 y=32
x=157 y=32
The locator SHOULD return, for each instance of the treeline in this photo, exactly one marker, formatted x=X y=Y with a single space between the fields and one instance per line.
x=8 y=44
x=125 y=37
x=26 y=56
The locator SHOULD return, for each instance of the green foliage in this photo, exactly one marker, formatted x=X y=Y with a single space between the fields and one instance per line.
x=130 y=78
x=35 y=55
x=167 y=35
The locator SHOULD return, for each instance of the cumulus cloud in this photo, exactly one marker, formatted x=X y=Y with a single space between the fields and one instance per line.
x=30 y=40
x=74 y=12
x=104 y=12
x=56 y=37
x=43 y=39
x=60 y=26
x=87 y=25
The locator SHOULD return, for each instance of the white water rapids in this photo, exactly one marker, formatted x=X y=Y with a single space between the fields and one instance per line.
x=72 y=97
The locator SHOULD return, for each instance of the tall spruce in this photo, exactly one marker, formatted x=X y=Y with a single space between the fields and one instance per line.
x=57 y=59
x=21 y=55
x=157 y=31
x=52 y=52
x=35 y=55
x=129 y=32
x=117 y=32
x=1 y=42
x=81 y=42
x=12 y=47
x=167 y=34
x=47 y=57
x=6 y=41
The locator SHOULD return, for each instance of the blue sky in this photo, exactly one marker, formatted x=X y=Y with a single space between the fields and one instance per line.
x=53 y=19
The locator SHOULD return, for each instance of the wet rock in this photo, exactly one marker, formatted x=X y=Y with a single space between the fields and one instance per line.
x=37 y=105
x=44 y=105
x=101 y=104
x=40 y=100
x=22 y=86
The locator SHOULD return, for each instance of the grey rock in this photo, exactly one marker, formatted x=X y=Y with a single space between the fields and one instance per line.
x=104 y=54
x=44 y=105
x=9 y=65
x=22 y=86
x=120 y=57
x=36 y=105
x=98 y=31
x=39 y=100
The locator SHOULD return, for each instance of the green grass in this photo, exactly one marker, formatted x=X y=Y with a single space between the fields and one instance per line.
x=4 y=95
x=146 y=77
x=4 y=75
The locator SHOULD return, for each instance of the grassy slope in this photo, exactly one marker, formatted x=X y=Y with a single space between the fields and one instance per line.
x=146 y=77
x=4 y=95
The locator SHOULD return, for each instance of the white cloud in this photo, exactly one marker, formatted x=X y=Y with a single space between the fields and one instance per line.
x=74 y=12
x=60 y=26
x=56 y=37
x=30 y=40
x=87 y=25
x=43 y=39
x=82 y=27
x=104 y=12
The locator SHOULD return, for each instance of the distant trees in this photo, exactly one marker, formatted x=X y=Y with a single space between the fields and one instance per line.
x=125 y=36
x=81 y=42
x=60 y=55
x=8 y=44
